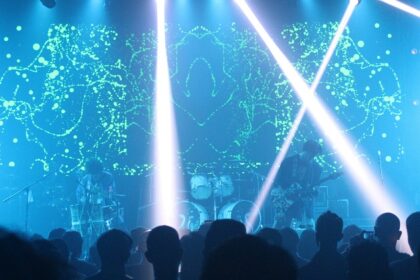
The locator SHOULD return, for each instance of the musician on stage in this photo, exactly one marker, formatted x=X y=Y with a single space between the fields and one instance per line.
x=294 y=193
x=97 y=186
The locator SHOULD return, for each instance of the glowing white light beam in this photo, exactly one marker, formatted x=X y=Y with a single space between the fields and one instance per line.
x=402 y=6
x=262 y=196
x=166 y=180
x=368 y=185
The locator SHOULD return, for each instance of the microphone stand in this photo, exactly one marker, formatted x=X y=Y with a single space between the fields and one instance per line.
x=380 y=166
x=26 y=189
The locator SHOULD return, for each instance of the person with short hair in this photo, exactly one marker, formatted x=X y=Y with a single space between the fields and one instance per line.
x=327 y=264
x=387 y=232
x=114 y=248
x=164 y=252
x=409 y=268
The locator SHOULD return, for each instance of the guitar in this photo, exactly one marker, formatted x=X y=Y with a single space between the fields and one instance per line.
x=283 y=199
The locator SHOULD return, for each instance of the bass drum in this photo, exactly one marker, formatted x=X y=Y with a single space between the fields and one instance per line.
x=240 y=211
x=192 y=215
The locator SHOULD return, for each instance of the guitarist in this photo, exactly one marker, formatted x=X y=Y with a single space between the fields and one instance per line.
x=293 y=197
x=97 y=186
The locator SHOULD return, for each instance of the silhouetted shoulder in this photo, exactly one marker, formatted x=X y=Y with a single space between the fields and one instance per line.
x=406 y=269
x=331 y=266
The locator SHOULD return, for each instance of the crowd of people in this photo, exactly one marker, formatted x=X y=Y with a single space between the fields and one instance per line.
x=219 y=250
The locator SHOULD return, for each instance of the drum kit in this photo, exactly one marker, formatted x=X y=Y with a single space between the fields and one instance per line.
x=216 y=192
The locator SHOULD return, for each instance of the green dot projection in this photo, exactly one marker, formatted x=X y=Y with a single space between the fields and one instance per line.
x=76 y=92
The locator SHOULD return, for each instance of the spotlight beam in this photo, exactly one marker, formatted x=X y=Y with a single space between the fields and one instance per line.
x=367 y=184
x=166 y=180
x=403 y=7
x=262 y=196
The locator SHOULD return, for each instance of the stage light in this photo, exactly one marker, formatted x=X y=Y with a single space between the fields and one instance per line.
x=402 y=6
x=370 y=187
x=267 y=185
x=166 y=181
x=48 y=3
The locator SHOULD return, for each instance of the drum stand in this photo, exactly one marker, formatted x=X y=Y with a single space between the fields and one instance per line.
x=215 y=205
x=260 y=182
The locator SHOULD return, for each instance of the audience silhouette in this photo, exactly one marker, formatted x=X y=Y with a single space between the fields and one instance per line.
x=387 y=232
x=307 y=246
x=74 y=242
x=56 y=233
x=143 y=270
x=93 y=257
x=192 y=258
x=16 y=257
x=409 y=268
x=290 y=244
x=349 y=232
x=368 y=260
x=327 y=264
x=248 y=258
x=219 y=250
x=114 y=250
x=164 y=252
x=271 y=236
x=136 y=253
x=219 y=232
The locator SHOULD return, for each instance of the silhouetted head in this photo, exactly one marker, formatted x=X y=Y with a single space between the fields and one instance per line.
x=192 y=245
x=204 y=228
x=51 y=257
x=413 y=231
x=15 y=254
x=74 y=242
x=350 y=231
x=368 y=261
x=249 y=257
x=94 y=166
x=311 y=149
x=62 y=248
x=290 y=240
x=220 y=231
x=271 y=236
x=113 y=248
x=387 y=229
x=164 y=247
x=329 y=229
x=307 y=246
x=56 y=233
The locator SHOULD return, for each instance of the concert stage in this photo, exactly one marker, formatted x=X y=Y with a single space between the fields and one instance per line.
x=192 y=106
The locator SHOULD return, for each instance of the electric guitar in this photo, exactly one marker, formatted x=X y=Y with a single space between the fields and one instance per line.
x=284 y=198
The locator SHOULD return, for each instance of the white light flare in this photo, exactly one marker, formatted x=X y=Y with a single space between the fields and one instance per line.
x=166 y=181
x=370 y=188
x=402 y=6
x=267 y=185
